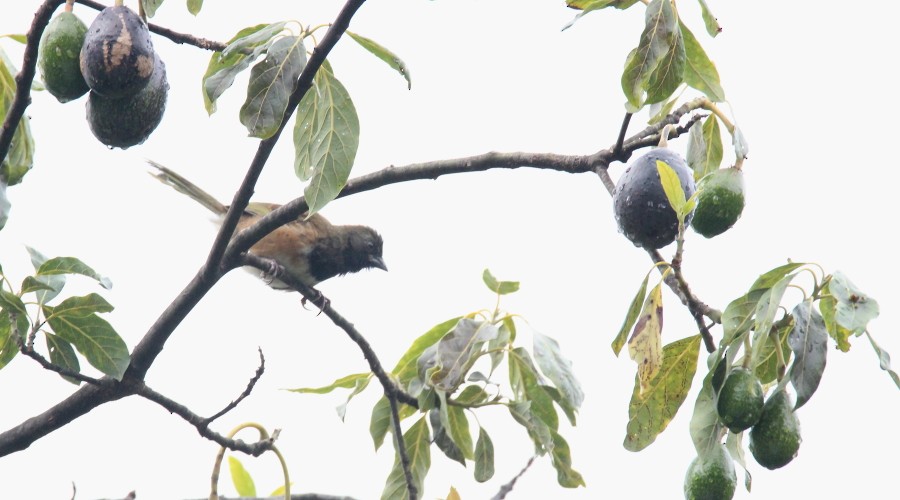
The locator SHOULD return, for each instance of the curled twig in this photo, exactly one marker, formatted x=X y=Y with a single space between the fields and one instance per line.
x=232 y=405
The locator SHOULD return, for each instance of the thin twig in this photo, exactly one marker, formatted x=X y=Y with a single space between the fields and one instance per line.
x=620 y=142
x=401 y=447
x=232 y=405
x=508 y=487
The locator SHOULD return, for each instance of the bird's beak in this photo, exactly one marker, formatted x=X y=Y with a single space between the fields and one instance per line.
x=377 y=261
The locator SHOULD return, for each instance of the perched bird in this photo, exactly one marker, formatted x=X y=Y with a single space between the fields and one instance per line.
x=311 y=250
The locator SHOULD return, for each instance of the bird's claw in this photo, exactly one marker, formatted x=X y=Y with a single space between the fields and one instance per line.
x=319 y=300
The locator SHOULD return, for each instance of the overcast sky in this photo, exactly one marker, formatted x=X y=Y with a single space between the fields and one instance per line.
x=810 y=87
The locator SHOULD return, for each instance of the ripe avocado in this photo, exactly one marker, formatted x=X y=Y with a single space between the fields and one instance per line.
x=711 y=477
x=117 y=57
x=126 y=121
x=58 y=57
x=775 y=439
x=740 y=400
x=720 y=202
x=642 y=210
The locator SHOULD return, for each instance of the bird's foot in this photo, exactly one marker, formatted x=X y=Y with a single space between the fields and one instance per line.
x=319 y=300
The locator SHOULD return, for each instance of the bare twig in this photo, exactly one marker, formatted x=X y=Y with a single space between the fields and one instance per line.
x=508 y=487
x=232 y=405
x=401 y=447
x=617 y=149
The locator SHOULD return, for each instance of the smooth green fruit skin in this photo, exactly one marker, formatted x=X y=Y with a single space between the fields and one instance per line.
x=719 y=203
x=58 y=57
x=740 y=403
x=117 y=57
x=127 y=121
x=711 y=477
x=775 y=439
x=641 y=207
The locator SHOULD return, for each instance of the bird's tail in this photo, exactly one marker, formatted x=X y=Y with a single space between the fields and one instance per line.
x=187 y=187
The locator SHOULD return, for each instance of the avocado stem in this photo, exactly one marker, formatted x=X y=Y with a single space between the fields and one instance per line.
x=664 y=136
x=69 y=5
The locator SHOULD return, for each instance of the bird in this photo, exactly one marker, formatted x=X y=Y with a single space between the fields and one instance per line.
x=310 y=249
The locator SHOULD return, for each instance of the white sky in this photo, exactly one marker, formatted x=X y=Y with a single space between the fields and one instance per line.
x=806 y=84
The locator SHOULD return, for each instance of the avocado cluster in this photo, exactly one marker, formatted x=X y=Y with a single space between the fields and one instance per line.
x=114 y=60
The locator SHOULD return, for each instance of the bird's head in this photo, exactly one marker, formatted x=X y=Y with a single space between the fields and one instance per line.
x=364 y=249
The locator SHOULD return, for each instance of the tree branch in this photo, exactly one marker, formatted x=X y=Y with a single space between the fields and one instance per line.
x=232 y=405
x=508 y=487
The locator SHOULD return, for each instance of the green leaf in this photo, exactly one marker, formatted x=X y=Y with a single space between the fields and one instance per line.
x=808 y=340
x=526 y=386
x=736 y=450
x=62 y=355
x=456 y=425
x=71 y=265
x=712 y=24
x=537 y=430
x=32 y=284
x=884 y=359
x=706 y=432
x=442 y=438
x=499 y=287
x=561 y=456
x=55 y=282
x=705 y=150
x=360 y=386
x=17 y=37
x=94 y=338
x=769 y=304
x=380 y=422
x=83 y=306
x=418 y=449
x=497 y=347
x=699 y=71
x=738 y=316
x=653 y=407
x=242 y=50
x=271 y=83
x=644 y=346
x=20 y=157
x=771 y=278
x=828 y=307
x=741 y=147
x=406 y=368
x=587 y=6
x=150 y=6
x=765 y=358
x=241 y=479
x=854 y=309
x=471 y=396
x=557 y=368
x=455 y=354
x=8 y=346
x=385 y=55
x=655 y=58
x=345 y=382
x=562 y=402
x=11 y=303
x=326 y=138
x=672 y=186
x=5 y=205
x=634 y=310
x=484 y=457
x=194 y=6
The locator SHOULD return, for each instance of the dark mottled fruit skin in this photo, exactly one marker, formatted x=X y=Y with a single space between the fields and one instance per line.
x=117 y=57
x=775 y=439
x=127 y=121
x=640 y=204
x=58 y=57
x=711 y=477
x=740 y=402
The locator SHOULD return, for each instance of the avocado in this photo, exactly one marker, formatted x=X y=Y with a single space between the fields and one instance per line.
x=58 y=57
x=640 y=204
x=720 y=201
x=711 y=476
x=117 y=57
x=775 y=439
x=126 y=121
x=740 y=400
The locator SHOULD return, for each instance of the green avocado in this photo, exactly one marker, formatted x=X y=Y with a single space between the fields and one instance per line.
x=711 y=476
x=740 y=400
x=775 y=439
x=126 y=121
x=58 y=57
x=720 y=202
x=641 y=207
x=117 y=57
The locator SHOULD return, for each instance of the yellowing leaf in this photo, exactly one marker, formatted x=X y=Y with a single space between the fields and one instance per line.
x=652 y=408
x=644 y=346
